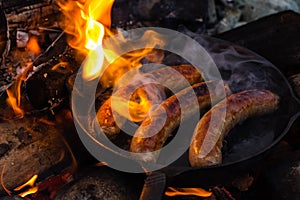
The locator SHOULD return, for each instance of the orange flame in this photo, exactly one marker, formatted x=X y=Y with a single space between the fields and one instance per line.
x=33 y=189
x=171 y=192
x=33 y=45
x=14 y=92
x=88 y=22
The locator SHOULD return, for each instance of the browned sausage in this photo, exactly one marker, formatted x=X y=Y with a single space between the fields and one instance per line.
x=148 y=139
x=189 y=72
x=206 y=145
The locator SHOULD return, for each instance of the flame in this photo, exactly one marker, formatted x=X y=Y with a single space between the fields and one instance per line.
x=171 y=192
x=88 y=22
x=140 y=106
x=33 y=45
x=136 y=109
x=33 y=189
x=14 y=92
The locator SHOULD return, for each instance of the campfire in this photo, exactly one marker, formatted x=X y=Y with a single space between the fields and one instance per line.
x=148 y=100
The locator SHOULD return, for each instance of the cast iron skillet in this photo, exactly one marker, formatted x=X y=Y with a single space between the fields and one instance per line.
x=249 y=142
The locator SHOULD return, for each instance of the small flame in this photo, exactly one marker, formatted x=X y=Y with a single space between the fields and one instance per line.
x=140 y=106
x=33 y=189
x=33 y=45
x=171 y=192
x=14 y=101
x=14 y=92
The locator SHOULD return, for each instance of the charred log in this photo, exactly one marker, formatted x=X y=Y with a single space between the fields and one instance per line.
x=28 y=147
x=46 y=88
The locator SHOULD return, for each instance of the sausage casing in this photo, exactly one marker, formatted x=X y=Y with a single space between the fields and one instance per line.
x=105 y=114
x=148 y=139
x=206 y=144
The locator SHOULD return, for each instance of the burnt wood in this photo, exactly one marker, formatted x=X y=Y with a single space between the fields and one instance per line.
x=46 y=88
x=30 y=146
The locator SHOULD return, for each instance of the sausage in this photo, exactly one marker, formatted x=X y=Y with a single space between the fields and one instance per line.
x=206 y=144
x=148 y=139
x=105 y=113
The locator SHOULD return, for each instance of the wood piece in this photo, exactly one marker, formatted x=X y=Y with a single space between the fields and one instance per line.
x=275 y=37
x=30 y=147
x=3 y=37
x=46 y=88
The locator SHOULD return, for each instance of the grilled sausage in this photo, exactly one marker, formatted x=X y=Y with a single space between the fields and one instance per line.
x=105 y=113
x=148 y=139
x=205 y=148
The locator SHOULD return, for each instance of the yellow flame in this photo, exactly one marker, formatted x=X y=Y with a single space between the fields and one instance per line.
x=171 y=192
x=89 y=21
x=14 y=92
x=30 y=183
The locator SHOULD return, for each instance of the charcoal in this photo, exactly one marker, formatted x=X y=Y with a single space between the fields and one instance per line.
x=47 y=88
x=3 y=148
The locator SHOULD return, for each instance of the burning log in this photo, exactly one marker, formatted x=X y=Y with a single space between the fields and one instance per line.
x=20 y=13
x=102 y=183
x=28 y=147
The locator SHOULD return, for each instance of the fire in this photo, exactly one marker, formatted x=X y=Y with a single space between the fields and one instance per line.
x=89 y=22
x=14 y=92
x=171 y=192
x=33 y=189
x=33 y=45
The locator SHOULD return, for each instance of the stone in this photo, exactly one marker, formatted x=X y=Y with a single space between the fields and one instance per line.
x=255 y=9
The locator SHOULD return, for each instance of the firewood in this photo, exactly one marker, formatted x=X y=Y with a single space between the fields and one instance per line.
x=3 y=37
x=28 y=147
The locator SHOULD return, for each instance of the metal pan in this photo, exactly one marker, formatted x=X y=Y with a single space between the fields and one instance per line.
x=247 y=143
x=250 y=141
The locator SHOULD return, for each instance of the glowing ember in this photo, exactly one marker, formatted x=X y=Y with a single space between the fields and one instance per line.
x=171 y=192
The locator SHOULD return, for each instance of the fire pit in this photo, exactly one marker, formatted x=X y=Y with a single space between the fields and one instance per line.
x=80 y=80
